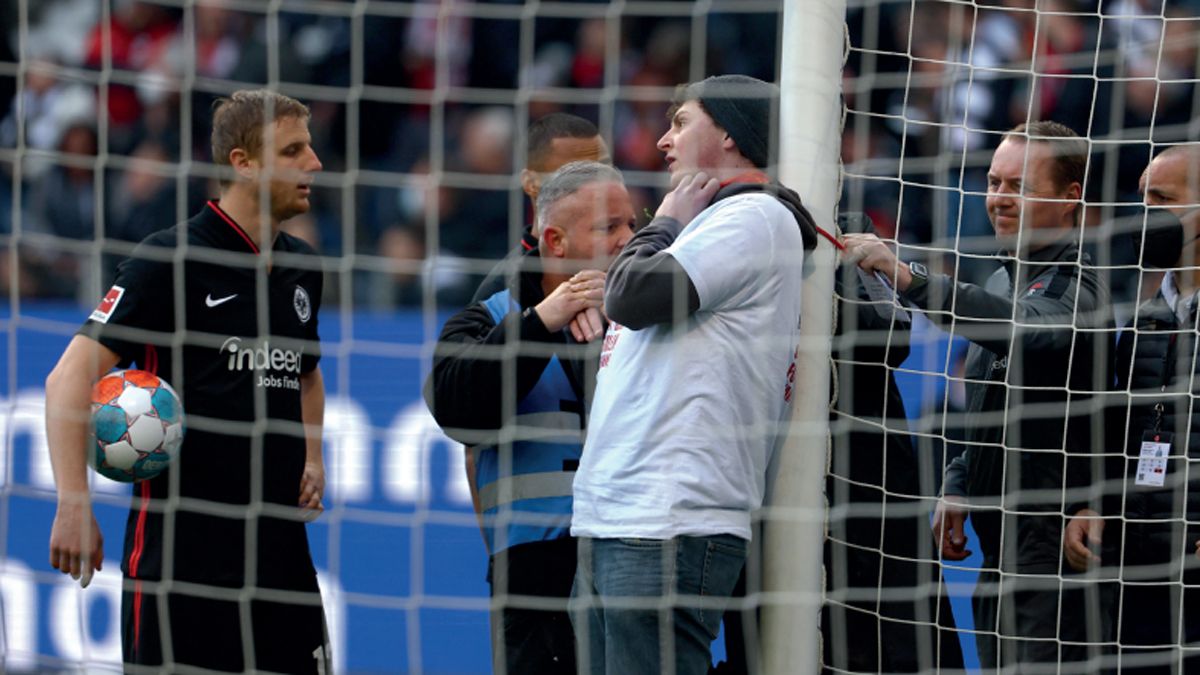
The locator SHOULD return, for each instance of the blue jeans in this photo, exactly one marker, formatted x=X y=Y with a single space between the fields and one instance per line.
x=652 y=606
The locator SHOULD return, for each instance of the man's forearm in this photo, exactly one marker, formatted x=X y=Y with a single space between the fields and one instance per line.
x=312 y=411
x=68 y=412
x=68 y=409
x=470 y=380
x=993 y=321
x=645 y=285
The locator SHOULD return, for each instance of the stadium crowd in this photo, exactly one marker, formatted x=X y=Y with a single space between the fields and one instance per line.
x=400 y=215
x=970 y=79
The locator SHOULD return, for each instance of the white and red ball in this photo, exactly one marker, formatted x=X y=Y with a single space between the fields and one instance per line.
x=137 y=425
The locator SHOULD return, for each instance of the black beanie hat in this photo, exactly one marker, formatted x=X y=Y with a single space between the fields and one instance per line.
x=741 y=105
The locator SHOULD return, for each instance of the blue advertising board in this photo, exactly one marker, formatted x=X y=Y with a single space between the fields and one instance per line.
x=401 y=560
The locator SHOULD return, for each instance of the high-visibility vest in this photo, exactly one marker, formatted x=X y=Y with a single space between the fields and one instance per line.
x=524 y=480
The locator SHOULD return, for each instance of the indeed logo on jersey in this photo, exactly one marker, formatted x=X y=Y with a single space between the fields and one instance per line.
x=263 y=357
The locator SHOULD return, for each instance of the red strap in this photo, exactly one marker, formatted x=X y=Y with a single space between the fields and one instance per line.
x=832 y=239
x=761 y=178
x=748 y=177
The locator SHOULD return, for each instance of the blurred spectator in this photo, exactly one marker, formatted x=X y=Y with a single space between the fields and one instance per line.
x=1160 y=57
x=641 y=123
x=430 y=37
x=587 y=68
x=62 y=204
x=63 y=201
x=940 y=115
x=404 y=250
x=144 y=200
x=56 y=28
x=864 y=143
x=8 y=90
x=476 y=223
x=220 y=33
x=136 y=39
x=49 y=107
x=975 y=68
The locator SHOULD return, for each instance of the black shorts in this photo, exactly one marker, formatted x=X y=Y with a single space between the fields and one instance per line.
x=282 y=637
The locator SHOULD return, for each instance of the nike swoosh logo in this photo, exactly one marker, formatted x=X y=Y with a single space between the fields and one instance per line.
x=213 y=303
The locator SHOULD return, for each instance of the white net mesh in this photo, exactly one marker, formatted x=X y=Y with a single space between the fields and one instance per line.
x=420 y=111
x=931 y=88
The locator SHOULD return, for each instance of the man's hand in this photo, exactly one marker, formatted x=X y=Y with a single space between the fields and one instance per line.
x=312 y=488
x=693 y=194
x=1082 y=539
x=872 y=255
x=76 y=544
x=949 y=521
x=581 y=292
x=588 y=324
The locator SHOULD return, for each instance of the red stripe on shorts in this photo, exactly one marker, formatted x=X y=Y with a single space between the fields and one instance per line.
x=151 y=361
x=139 y=542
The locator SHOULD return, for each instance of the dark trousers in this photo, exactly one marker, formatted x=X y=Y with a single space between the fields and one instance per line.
x=1039 y=622
x=531 y=631
x=1154 y=630
x=223 y=635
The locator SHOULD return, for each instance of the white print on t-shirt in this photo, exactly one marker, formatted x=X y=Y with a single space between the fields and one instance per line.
x=107 y=305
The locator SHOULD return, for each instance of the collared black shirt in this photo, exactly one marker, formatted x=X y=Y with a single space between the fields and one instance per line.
x=196 y=304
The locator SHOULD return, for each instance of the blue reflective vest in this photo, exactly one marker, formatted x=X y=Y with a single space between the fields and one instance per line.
x=524 y=481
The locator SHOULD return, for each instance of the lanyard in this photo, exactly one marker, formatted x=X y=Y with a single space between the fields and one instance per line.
x=1167 y=361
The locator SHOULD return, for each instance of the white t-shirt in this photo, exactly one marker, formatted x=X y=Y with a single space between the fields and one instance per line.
x=686 y=417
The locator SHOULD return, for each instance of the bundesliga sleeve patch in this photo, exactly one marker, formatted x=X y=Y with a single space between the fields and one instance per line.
x=107 y=305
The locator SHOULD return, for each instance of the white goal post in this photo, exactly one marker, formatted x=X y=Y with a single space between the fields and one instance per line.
x=794 y=519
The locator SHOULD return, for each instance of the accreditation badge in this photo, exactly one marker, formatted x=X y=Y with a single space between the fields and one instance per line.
x=1152 y=461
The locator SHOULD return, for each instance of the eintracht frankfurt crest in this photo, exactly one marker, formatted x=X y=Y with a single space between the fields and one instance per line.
x=302 y=304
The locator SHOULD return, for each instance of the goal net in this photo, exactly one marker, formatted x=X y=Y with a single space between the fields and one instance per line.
x=420 y=111
x=931 y=90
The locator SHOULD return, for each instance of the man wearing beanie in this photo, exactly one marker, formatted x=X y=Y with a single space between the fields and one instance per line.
x=693 y=391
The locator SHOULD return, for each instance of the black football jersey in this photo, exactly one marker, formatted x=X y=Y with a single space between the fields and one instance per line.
x=195 y=304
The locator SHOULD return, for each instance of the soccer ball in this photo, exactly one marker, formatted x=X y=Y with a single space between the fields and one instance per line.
x=137 y=423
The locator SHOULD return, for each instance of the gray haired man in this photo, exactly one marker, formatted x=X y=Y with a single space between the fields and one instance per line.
x=508 y=363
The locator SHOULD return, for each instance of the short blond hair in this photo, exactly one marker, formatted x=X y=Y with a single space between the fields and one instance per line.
x=239 y=120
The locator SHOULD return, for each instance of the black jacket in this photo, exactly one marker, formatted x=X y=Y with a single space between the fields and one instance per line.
x=1157 y=366
x=1039 y=331
x=471 y=391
